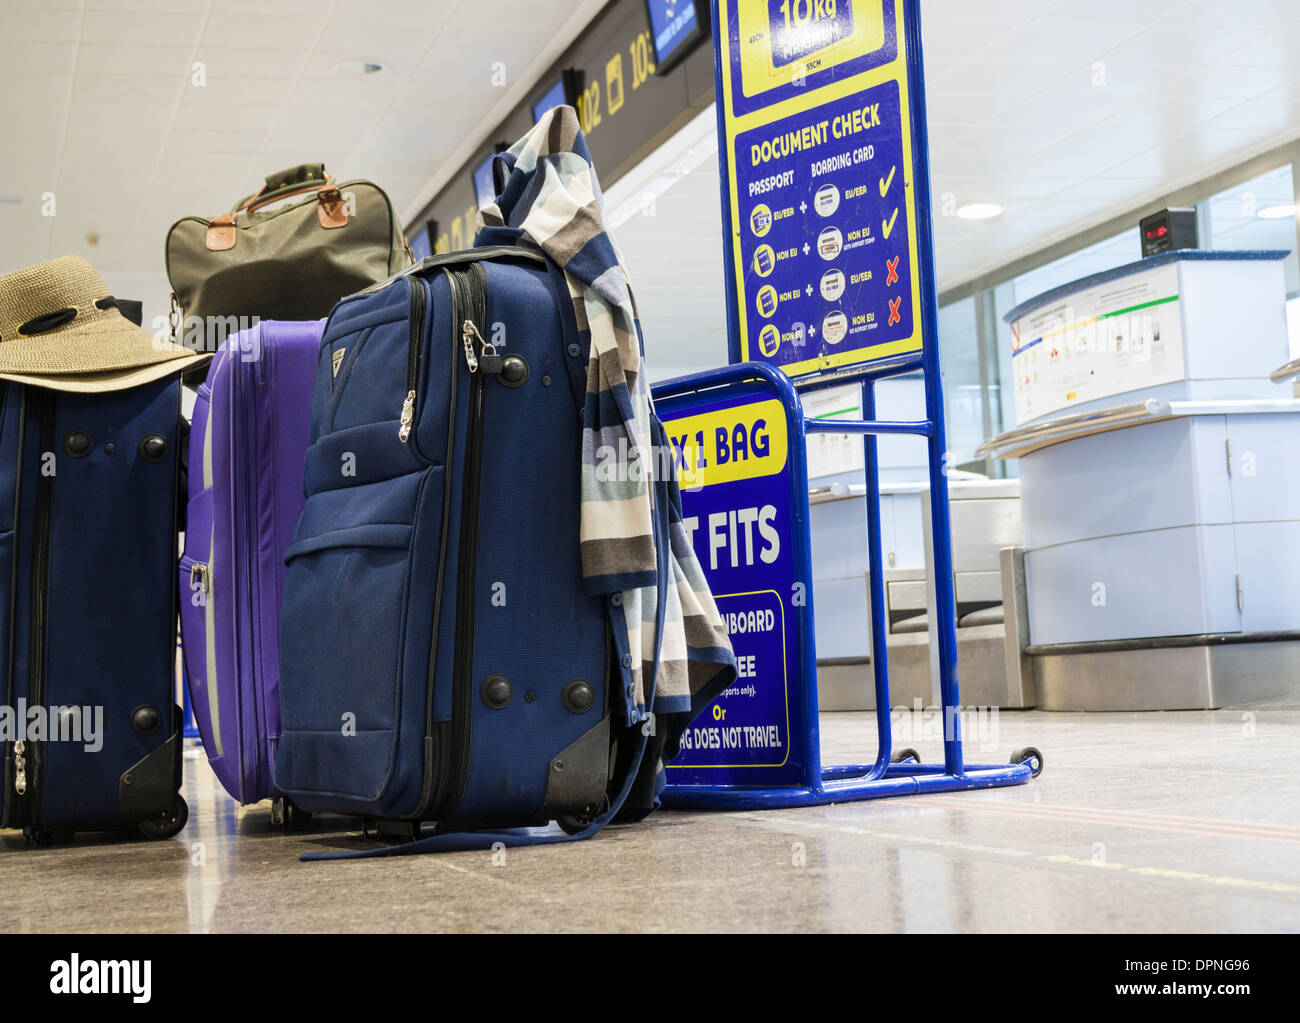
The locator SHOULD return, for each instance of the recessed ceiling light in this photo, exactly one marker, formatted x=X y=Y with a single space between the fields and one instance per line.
x=979 y=211
x=1277 y=212
x=359 y=67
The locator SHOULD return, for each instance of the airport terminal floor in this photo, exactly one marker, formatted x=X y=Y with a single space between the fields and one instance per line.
x=1184 y=822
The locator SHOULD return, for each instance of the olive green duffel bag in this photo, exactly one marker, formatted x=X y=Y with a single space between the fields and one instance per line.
x=290 y=262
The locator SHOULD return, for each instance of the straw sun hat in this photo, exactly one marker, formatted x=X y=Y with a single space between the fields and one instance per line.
x=60 y=328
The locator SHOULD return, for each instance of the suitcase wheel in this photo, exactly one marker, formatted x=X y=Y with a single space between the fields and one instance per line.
x=45 y=837
x=288 y=815
x=167 y=824
x=572 y=823
x=296 y=818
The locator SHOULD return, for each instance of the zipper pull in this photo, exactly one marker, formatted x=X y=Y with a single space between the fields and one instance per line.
x=467 y=332
x=408 y=417
x=20 y=767
x=201 y=571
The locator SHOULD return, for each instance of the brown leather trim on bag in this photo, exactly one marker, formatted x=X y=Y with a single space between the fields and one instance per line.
x=221 y=233
x=331 y=210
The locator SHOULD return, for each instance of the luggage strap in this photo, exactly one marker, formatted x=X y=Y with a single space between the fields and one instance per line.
x=463 y=841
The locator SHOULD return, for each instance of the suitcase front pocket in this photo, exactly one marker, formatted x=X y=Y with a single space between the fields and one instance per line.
x=342 y=639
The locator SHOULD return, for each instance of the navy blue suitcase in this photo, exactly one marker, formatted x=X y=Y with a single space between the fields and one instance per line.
x=89 y=487
x=440 y=658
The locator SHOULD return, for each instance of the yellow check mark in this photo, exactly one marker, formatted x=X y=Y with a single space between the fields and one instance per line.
x=886 y=182
x=888 y=225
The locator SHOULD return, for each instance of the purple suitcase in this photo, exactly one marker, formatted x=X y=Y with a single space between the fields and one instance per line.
x=247 y=446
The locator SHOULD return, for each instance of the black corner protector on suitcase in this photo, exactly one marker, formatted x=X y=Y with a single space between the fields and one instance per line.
x=149 y=786
x=577 y=776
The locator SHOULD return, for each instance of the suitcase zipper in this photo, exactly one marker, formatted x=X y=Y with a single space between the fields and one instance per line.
x=28 y=762
x=207 y=574
x=453 y=775
x=414 y=354
x=438 y=732
x=242 y=584
x=10 y=816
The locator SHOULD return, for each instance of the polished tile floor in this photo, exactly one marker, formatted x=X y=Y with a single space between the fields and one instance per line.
x=1141 y=822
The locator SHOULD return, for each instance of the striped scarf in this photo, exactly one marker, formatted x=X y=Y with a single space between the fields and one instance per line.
x=634 y=545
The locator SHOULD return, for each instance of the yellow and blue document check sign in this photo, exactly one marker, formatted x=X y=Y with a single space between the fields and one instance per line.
x=819 y=155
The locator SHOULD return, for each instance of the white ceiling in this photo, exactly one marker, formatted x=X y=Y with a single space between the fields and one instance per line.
x=97 y=106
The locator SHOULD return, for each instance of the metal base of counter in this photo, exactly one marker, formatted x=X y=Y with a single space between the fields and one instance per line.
x=848 y=683
x=1170 y=673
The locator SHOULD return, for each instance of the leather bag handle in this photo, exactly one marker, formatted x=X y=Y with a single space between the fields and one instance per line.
x=309 y=178
x=306 y=177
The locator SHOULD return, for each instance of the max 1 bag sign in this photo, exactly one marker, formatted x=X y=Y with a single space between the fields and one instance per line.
x=735 y=477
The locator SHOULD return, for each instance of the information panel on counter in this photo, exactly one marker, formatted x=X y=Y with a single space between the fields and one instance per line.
x=820 y=181
x=735 y=479
x=1103 y=340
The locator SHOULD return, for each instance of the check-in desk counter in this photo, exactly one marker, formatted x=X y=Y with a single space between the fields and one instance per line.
x=985 y=517
x=1159 y=486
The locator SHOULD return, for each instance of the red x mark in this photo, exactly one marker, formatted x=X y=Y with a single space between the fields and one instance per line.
x=894 y=314
x=891 y=267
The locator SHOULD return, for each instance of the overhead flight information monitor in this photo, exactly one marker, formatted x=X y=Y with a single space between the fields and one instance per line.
x=675 y=26
x=484 y=188
x=557 y=95
x=422 y=243
x=553 y=97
